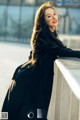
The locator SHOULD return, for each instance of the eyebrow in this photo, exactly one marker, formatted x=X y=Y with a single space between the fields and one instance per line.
x=50 y=13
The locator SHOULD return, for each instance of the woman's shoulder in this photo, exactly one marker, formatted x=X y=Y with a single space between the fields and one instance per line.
x=42 y=37
x=43 y=34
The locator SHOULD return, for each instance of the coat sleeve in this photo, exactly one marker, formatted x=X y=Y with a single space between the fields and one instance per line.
x=66 y=52
x=57 y=49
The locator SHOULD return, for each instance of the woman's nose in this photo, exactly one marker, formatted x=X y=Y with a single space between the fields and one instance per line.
x=53 y=17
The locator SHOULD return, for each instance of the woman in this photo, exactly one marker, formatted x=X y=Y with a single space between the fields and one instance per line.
x=30 y=96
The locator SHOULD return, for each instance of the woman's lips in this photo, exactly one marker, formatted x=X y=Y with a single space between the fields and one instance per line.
x=54 y=21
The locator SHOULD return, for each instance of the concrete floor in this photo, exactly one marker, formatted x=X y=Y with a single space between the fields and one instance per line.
x=11 y=56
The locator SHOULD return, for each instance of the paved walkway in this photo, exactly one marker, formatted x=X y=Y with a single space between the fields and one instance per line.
x=11 y=55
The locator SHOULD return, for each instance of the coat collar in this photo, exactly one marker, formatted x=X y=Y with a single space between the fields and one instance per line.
x=51 y=34
x=48 y=32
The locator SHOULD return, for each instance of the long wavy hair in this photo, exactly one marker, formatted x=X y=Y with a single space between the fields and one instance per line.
x=39 y=25
x=39 y=22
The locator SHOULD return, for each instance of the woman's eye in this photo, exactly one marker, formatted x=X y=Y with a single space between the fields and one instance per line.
x=54 y=13
x=49 y=16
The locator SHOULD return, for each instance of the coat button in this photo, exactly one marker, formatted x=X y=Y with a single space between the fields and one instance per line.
x=30 y=115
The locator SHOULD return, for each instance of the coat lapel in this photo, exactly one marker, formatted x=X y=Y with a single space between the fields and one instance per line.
x=54 y=38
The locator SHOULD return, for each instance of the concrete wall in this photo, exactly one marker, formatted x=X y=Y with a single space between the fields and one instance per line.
x=71 y=41
x=65 y=101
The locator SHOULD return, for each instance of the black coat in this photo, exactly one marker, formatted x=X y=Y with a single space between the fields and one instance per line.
x=34 y=82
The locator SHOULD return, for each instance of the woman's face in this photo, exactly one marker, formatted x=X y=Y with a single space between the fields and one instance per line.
x=51 y=18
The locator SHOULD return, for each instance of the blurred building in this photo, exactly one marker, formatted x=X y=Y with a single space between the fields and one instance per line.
x=17 y=18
